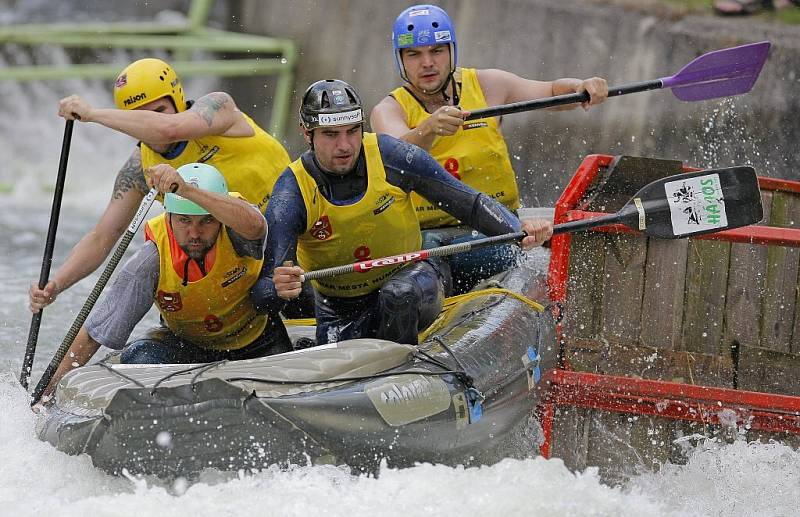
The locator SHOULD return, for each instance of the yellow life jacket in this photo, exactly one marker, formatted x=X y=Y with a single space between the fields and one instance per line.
x=215 y=311
x=476 y=154
x=380 y=224
x=251 y=165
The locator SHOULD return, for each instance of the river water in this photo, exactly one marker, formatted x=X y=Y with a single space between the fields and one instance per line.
x=719 y=479
x=735 y=479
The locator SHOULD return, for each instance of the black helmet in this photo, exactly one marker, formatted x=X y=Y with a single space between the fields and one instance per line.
x=330 y=102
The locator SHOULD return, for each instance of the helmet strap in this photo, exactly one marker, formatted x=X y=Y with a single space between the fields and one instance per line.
x=450 y=80
x=456 y=97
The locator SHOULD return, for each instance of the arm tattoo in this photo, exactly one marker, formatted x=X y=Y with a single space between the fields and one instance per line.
x=130 y=176
x=208 y=105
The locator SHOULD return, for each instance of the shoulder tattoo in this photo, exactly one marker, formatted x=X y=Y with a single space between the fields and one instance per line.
x=209 y=105
x=130 y=176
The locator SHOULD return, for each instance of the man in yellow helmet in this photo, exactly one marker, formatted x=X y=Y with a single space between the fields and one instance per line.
x=201 y=258
x=429 y=111
x=151 y=107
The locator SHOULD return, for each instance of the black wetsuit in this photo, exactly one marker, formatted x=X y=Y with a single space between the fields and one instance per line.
x=412 y=298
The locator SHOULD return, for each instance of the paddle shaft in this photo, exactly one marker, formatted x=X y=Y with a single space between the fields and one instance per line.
x=452 y=249
x=147 y=202
x=47 y=260
x=560 y=100
x=721 y=73
x=651 y=210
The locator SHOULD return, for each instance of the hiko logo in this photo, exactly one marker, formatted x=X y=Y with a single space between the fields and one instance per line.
x=384 y=202
x=134 y=98
x=340 y=119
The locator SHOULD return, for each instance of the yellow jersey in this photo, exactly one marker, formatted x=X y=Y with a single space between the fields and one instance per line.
x=251 y=165
x=476 y=154
x=381 y=223
x=214 y=312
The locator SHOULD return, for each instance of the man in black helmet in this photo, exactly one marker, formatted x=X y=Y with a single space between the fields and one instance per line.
x=347 y=199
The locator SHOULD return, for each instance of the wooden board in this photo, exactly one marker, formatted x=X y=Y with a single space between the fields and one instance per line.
x=636 y=360
x=769 y=371
x=779 y=309
x=622 y=444
x=745 y=292
x=662 y=301
x=584 y=285
x=623 y=283
x=704 y=304
x=570 y=438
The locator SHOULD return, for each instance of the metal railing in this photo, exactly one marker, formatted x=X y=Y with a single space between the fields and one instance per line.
x=266 y=56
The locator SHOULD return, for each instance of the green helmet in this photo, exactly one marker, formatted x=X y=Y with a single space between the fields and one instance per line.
x=202 y=176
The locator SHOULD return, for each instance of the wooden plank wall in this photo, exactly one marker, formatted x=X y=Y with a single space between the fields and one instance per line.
x=723 y=313
x=700 y=312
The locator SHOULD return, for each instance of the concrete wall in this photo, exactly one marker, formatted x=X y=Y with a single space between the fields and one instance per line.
x=545 y=39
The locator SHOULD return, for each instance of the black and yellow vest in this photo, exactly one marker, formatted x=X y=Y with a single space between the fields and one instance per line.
x=380 y=224
x=476 y=154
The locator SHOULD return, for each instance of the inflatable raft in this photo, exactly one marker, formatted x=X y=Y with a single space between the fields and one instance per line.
x=455 y=399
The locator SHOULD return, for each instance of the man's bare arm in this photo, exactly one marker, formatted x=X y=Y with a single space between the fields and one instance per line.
x=90 y=252
x=388 y=117
x=237 y=214
x=501 y=87
x=82 y=349
x=212 y=114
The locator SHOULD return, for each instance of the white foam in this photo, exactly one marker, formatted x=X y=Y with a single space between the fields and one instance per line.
x=736 y=479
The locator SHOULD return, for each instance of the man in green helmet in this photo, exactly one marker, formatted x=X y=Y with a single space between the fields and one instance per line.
x=152 y=108
x=198 y=264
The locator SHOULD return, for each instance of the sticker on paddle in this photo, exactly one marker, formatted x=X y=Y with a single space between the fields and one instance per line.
x=696 y=204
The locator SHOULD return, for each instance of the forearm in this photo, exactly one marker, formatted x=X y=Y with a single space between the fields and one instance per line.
x=565 y=86
x=82 y=349
x=264 y=295
x=84 y=259
x=492 y=218
x=236 y=214
x=421 y=136
x=286 y=218
x=389 y=118
x=475 y=209
x=144 y=125
x=410 y=169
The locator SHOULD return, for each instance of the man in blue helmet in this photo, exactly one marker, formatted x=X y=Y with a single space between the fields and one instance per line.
x=348 y=199
x=429 y=111
x=200 y=260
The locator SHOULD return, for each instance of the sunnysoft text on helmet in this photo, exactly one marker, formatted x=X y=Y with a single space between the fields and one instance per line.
x=328 y=103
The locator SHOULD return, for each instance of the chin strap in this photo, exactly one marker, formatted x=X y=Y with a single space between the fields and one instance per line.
x=456 y=97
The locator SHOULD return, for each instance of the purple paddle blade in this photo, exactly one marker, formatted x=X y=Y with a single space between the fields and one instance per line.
x=722 y=73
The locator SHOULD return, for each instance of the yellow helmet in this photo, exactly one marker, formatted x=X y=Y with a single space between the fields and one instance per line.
x=147 y=80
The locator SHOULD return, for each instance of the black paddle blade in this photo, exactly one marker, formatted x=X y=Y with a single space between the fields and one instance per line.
x=696 y=203
x=684 y=205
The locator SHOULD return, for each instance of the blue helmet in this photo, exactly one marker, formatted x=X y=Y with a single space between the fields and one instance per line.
x=420 y=26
